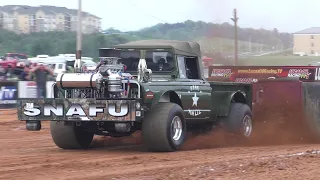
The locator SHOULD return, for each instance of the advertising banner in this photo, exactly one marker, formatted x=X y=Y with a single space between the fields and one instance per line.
x=8 y=94
x=28 y=89
x=249 y=74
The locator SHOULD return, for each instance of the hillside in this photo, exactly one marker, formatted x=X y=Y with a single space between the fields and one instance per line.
x=190 y=30
x=213 y=38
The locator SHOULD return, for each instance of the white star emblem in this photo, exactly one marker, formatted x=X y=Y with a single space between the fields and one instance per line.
x=195 y=100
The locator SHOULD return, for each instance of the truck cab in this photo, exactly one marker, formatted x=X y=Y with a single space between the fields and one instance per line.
x=183 y=82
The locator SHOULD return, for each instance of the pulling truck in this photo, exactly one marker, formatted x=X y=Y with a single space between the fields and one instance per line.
x=153 y=86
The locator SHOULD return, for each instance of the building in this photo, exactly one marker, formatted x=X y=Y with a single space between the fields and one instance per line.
x=307 y=42
x=28 y=19
x=7 y=21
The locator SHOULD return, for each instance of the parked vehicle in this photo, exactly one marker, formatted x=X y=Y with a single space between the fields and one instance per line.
x=89 y=66
x=14 y=62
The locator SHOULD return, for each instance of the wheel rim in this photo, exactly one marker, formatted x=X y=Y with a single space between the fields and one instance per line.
x=176 y=127
x=247 y=125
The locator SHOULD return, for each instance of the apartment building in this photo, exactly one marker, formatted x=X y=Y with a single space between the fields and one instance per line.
x=307 y=42
x=27 y=19
x=7 y=21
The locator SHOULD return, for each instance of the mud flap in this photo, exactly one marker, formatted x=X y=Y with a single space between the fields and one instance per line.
x=311 y=102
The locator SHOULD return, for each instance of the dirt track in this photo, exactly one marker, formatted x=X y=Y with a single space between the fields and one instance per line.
x=32 y=155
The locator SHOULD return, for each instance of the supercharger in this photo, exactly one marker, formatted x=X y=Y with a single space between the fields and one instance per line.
x=108 y=78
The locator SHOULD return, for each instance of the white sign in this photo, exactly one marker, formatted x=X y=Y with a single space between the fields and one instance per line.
x=49 y=89
x=28 y=89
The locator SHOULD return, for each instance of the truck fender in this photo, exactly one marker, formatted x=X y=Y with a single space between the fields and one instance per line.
x=168 y=96
x=225 y=98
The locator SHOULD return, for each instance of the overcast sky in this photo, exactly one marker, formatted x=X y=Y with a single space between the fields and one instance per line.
x=286 y=15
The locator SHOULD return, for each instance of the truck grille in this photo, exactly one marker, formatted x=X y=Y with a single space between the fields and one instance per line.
x=85 y=93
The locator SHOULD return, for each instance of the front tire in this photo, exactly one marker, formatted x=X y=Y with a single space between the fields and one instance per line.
x=164 y=128
x=70 y=136
x=239 y=120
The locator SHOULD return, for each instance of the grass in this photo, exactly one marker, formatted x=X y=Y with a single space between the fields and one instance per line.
x=278 y=60
x=287 y=52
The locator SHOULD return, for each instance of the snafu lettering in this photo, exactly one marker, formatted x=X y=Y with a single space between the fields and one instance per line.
x=76 y=109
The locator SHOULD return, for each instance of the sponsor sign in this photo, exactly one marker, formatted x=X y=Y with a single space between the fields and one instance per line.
x=8 y=94
x=28 y=89
x=249 y=74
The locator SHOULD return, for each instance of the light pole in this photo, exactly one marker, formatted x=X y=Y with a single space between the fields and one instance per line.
x=78 y=63
x=235 y=20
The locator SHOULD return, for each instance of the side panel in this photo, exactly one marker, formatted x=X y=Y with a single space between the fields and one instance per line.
x=277 y=94
x=278 y=110
x=196 y=100
x=194 y=95
x=222 y=94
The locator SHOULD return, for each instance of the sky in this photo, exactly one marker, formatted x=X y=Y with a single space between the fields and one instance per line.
x=125 y=15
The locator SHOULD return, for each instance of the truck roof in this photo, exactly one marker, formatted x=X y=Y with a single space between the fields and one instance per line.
x=187 y=48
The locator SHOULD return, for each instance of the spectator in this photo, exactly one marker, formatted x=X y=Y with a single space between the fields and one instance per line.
x=10 y=74
x=2 y=73
x=40 y=73
x=25 y=73
x=70 y=69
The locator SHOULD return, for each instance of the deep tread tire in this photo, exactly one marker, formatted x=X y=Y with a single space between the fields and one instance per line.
x=157 y=131
x=70 y=136
x=234 y=121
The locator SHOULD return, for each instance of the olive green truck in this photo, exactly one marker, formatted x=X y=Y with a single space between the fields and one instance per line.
x=153 y=86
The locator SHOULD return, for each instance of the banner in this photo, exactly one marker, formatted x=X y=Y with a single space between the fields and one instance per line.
x=249 y=74
x=8 y=94
x=28 y=89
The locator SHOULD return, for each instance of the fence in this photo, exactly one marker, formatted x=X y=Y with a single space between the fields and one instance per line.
x=10 y=91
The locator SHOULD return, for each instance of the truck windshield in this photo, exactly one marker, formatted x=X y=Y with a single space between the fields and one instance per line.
x=157 y=61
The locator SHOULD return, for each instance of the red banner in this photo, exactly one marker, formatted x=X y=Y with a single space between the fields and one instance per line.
x=254 y=73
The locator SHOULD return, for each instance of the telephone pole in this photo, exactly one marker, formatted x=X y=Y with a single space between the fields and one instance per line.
x=79 y=38
x=235 y=20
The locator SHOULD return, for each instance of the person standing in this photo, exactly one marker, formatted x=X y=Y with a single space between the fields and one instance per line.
x=24 y=73
x=41 y=74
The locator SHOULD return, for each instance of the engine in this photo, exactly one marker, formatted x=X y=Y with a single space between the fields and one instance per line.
x=109 y=80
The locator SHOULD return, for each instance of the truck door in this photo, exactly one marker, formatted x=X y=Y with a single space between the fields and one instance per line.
x=195 y=93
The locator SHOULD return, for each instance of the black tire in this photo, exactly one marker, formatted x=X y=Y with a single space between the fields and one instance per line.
x=236 y=120
x=70 y=136
x=157 y=130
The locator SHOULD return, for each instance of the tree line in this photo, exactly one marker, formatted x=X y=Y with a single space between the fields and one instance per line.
x=54 y=43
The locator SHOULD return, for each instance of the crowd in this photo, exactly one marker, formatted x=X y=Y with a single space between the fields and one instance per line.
x=39 y=73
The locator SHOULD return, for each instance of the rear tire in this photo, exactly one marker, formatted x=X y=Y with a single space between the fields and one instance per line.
x=70 y=136
x=239 y=120
x=164 y=128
